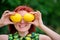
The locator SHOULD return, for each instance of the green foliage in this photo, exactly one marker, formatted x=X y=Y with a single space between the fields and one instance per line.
x=50 y=10
x=4 y=30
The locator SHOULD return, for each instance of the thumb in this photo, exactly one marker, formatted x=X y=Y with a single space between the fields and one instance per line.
x=11 y=23
x=31 y=22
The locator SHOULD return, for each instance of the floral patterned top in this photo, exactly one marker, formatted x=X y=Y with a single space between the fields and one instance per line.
x=15 y=36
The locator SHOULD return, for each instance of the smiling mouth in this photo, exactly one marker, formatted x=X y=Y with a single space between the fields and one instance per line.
x=22 y=26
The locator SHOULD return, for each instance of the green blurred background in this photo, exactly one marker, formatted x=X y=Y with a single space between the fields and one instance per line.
x=50 y=10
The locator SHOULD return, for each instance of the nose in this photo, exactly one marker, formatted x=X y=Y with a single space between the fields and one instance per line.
x=22 y=21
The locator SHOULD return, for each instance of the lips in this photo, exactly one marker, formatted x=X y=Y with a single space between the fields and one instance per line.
x=22 y=25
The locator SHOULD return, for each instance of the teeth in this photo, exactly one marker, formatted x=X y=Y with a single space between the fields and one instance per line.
x=22 y=26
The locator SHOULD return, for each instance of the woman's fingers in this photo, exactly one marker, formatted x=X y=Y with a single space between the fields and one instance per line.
x=38 y=11
x=33 y=12
x=38 y=18
x=31 y=22
x=8 y=14
x=11 y=23
x=8 y=23
x=5 y=12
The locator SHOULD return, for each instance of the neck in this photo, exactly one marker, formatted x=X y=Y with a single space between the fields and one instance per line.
x=23 y=34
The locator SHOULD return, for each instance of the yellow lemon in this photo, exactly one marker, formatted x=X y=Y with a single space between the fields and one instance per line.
x=28 y=38
x=16 y=18
x=29 y=35
x=28 y=17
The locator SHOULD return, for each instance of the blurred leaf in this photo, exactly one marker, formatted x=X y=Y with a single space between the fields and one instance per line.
x=4 y=30
x=39 y=31
x=34 y=3
x=14 y=2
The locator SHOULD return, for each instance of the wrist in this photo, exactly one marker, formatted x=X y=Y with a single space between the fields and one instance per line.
x=1 y=23
x=41 y=25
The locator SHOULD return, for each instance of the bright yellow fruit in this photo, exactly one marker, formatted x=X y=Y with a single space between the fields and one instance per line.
x=28 y=17
x=16 y=18
x=28 y=38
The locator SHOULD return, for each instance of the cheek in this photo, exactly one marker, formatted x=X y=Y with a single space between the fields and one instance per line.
x=16 y=26
x=28 y=26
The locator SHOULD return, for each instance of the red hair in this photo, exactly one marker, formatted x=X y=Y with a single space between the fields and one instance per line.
x=28 y=9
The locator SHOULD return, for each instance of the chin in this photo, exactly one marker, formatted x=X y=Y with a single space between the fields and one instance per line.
x=24 y=30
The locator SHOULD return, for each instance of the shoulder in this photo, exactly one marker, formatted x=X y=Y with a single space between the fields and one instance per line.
x=44 y=37
x=3 y=37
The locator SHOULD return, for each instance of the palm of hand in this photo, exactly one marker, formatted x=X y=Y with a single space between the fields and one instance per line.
x=5 y=18
x=38 y=19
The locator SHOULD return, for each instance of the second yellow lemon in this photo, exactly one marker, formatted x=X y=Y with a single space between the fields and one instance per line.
x=28 y=17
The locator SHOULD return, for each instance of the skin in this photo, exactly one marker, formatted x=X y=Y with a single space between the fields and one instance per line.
x=23 y=26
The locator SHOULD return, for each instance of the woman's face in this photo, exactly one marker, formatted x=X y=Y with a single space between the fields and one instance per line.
x=22 y=26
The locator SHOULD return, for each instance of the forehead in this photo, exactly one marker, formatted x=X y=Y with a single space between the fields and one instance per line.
x=22 y=12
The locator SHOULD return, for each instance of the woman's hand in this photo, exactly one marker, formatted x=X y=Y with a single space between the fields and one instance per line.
x=38 y=19
x=38 y=22
x=5 y=18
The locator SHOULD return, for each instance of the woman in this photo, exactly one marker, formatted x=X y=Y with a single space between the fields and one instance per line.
x=20 y=30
